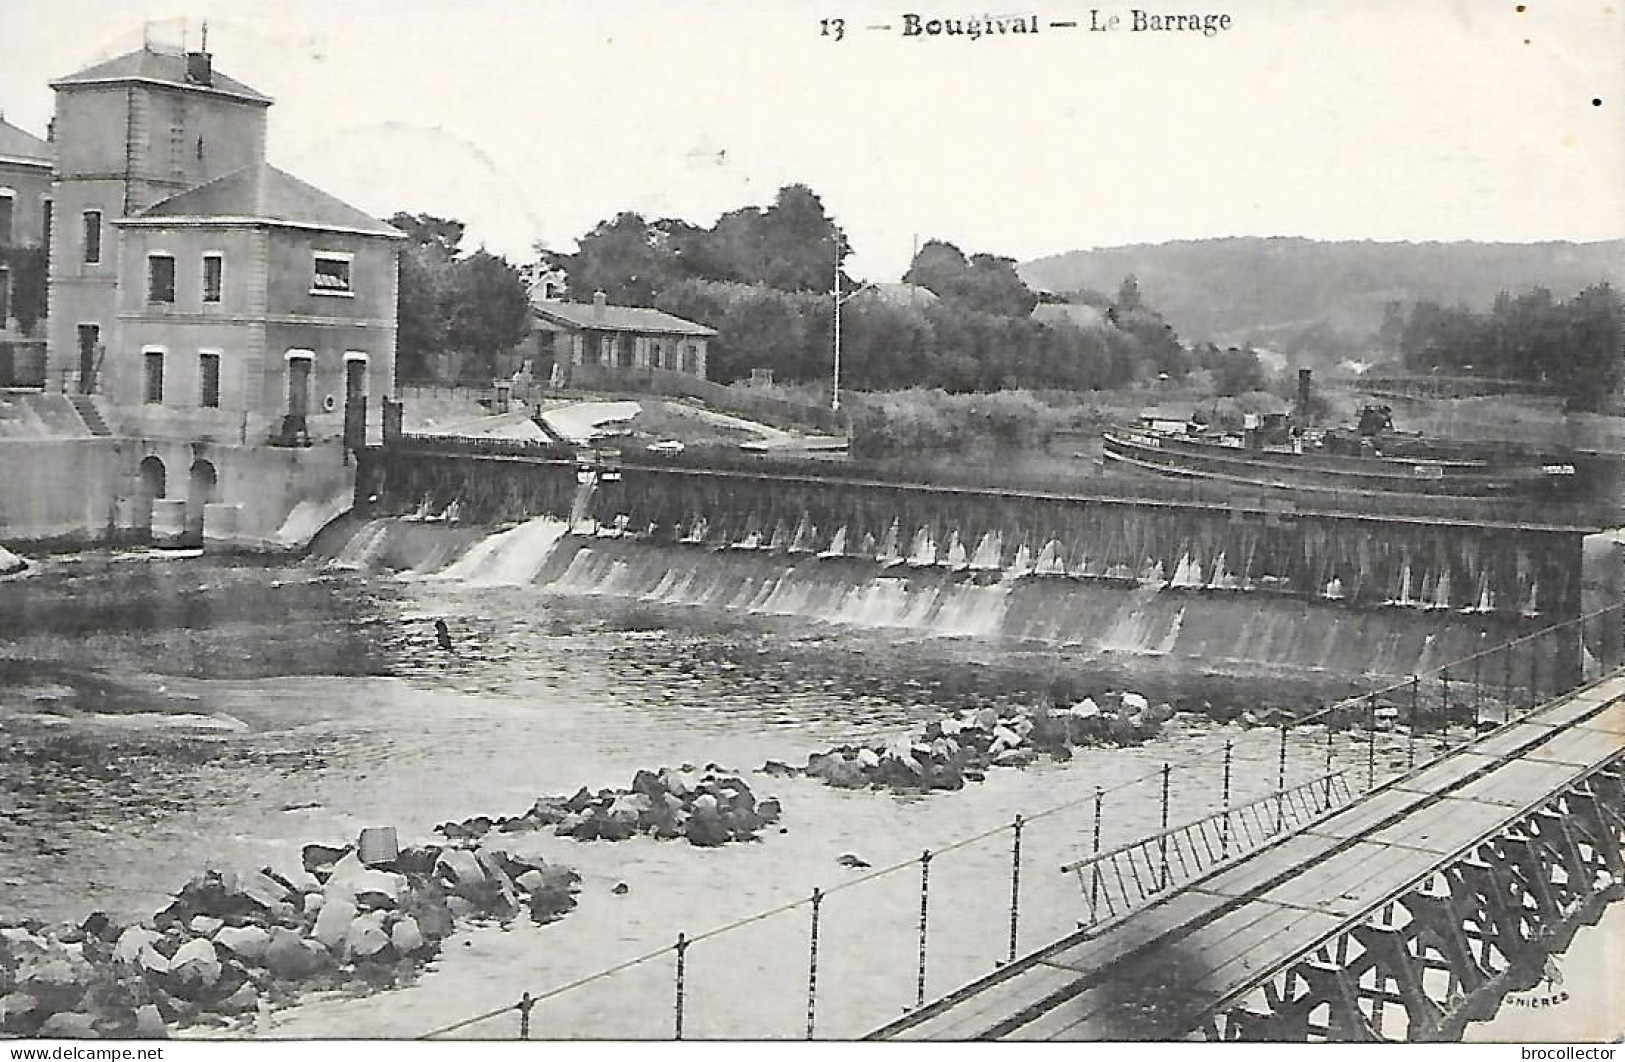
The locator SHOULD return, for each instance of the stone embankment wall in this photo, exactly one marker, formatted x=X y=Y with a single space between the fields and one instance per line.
x=64 y=485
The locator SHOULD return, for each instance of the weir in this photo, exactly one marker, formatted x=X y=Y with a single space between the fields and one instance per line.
x=1505 y=569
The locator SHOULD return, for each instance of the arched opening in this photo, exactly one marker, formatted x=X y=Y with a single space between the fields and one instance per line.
x=152 y=478
x=201 y=493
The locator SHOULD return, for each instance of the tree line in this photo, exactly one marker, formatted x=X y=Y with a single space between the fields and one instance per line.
x=764 y=278
x=1574 y=346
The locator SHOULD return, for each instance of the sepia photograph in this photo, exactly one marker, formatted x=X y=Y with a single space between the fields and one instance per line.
x=706 y=520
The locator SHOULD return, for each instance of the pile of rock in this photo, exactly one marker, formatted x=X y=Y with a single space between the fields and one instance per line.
x=230 y=944
x=707 y=808
x=961 y=748
x=10 y=563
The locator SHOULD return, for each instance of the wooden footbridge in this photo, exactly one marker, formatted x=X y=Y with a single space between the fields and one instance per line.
x=1401 y=915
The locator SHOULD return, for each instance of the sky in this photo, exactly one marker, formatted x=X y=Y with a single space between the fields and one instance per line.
x=532 y=120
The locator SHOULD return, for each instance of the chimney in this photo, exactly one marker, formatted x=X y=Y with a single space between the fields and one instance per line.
x=1303 y=389
x=599 y=302
x=199 y=68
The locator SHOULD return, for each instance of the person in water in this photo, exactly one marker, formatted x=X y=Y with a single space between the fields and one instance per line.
x=442 y=634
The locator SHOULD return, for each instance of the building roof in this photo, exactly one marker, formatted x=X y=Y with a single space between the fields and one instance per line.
x=161 y=67
x=19 y=145
x=262 y=192
x=617 y=318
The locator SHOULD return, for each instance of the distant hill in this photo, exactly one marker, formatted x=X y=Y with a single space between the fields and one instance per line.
x=1324 y=298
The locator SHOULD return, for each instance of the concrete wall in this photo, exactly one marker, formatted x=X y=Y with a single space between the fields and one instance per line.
x=87 y=491
x=57 y=490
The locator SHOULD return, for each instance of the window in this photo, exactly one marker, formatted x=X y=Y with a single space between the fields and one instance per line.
x=45 y=223
x=7 y=202
x=331 y=274
x=154 y=361
x=208 y=374
x=5 y=296
x=160 y=278
x=93 y=236
x=213 y=265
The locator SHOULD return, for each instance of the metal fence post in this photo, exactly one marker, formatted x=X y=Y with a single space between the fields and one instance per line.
x=1094 y=871
x=925 y=912
x=1410 y=740
x=1444 y=697
x=1478 y=687
x=1534 y=673
x=682 y=962
x=525 y=1005
x=1371 y=744
x=812 y=964
x=1280 y=785
x=1015 y=883
x=1162 y=845
x=1506 y=681
x=1328 y=806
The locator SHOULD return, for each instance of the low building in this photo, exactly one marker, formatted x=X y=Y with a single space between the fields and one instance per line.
x=566 y=335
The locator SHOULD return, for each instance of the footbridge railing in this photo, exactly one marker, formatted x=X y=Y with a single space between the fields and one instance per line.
x=841 y=960
x=1447 y=946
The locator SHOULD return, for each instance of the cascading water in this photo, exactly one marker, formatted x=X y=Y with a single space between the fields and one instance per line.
x=1116 y=612
x=508 y=558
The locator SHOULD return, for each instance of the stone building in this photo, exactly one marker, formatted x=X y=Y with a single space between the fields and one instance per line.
x=25 y=226
x=573 y=334
x=225 y=325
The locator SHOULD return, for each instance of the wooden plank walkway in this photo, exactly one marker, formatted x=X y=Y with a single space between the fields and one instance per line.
x=1142 y=977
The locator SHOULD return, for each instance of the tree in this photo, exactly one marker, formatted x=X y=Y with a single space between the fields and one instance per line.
x=478 y=303
x=624 y=257
x=441 y=236
x=488 y=307
x=421 y=311
x=985 y=283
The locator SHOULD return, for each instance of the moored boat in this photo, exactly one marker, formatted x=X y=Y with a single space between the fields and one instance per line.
x=1271 y=453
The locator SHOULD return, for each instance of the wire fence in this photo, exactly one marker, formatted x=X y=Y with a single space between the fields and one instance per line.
x=820 y=966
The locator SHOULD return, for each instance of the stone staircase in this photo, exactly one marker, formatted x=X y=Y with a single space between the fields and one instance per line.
x=88 y=412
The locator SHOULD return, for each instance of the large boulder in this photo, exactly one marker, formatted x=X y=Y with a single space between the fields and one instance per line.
x=293 y=958
x=318 y=859
x=243 y=1000
x=132 y=941
x=406 y=936
x=333 y=923
x=10 y=563
x=351 y=879
x=69 y=1026
x=706 y=829
x=57 y=982
x=245 y=942
x=366 y=938
x=460 y=869
x=195 y=964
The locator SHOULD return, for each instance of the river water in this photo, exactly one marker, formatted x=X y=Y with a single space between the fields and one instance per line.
x=163 y=715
